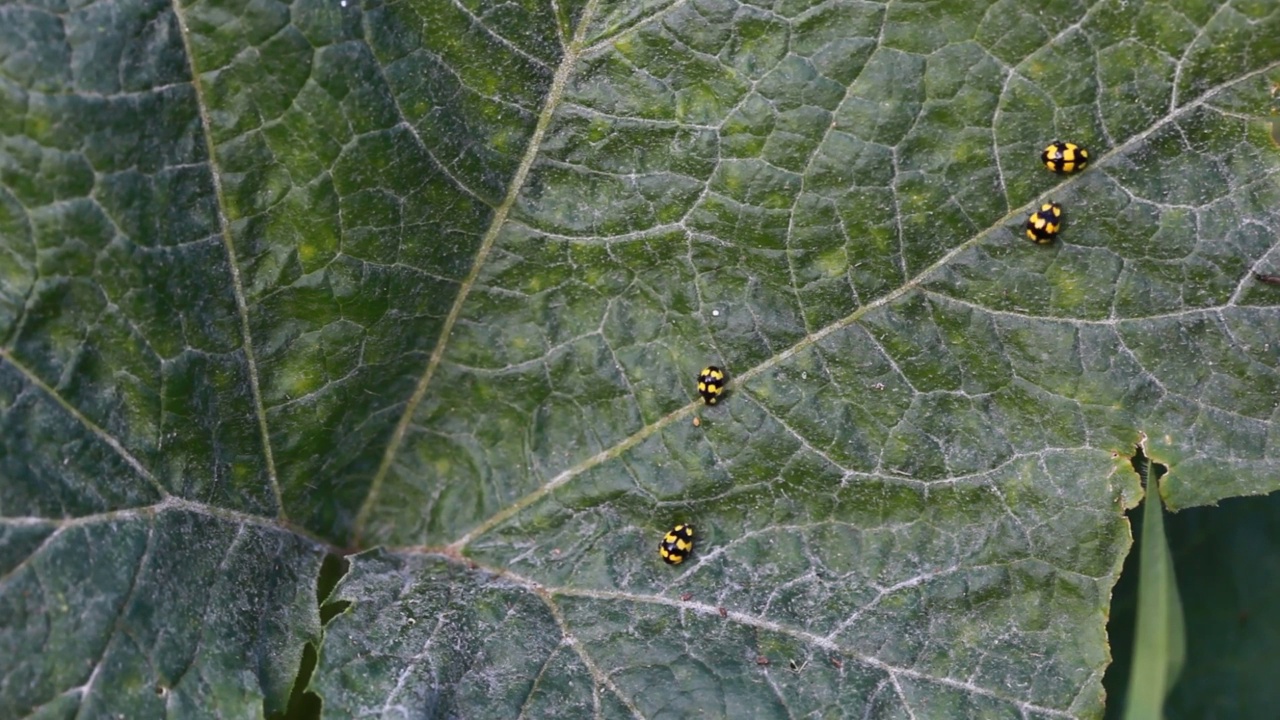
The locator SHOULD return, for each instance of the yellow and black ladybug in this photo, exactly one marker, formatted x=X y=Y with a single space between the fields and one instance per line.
x=1064 y=157
x=677 y=544
x=710 y=384
x=1045 y=223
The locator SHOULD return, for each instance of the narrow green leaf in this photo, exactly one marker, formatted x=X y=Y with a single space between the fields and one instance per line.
x=1160 y=635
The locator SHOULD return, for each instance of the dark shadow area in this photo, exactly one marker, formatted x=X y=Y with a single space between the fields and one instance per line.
x=331 y=571
x=304 y=704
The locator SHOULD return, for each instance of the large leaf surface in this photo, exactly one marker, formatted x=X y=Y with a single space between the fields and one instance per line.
x=438 y=276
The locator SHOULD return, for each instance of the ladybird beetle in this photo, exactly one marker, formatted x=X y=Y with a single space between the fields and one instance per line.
x=1045 y=223
x=677 y=544
x=1064 y=157
x=710 y=384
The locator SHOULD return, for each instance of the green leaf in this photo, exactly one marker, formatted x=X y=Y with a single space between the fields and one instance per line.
x=1160 y=644
x=438 y=276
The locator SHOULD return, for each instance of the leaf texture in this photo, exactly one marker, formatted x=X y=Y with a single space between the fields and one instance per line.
x=278 y=279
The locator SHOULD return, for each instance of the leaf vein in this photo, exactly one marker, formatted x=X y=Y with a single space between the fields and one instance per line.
x=90 y=425
x=233 y=263
x=87 y=687
x=558 y=84
x=598 y=676
x=804 y=636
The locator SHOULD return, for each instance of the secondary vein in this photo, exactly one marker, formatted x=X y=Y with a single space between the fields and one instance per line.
x=556 y=92
x=237 y=284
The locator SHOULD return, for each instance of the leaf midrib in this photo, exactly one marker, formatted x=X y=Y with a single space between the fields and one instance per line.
x=554 y=94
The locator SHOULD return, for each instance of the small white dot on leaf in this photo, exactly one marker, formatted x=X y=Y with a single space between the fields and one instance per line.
x=715 y=313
